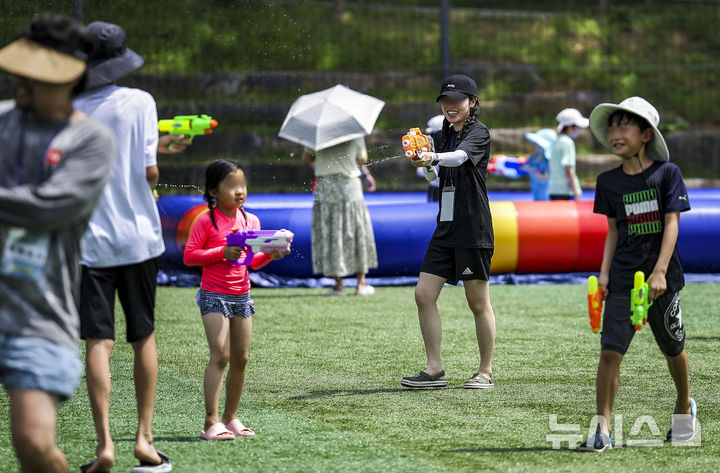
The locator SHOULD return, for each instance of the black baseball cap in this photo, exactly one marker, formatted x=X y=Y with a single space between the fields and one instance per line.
x=458 y=87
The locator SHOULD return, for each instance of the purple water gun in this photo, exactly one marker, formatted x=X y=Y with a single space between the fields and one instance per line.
x=259 y=240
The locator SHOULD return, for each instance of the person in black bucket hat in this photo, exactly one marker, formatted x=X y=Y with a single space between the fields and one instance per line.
x=121 y=247
x=113 y=60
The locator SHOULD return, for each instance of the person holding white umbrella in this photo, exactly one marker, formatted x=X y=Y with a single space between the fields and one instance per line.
x=331 y=125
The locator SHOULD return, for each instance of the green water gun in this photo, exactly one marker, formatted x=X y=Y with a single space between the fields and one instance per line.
x=190 y=125
x=639 y=303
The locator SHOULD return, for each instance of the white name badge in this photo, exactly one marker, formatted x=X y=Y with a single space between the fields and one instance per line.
x=25 y=254
x=447 y=205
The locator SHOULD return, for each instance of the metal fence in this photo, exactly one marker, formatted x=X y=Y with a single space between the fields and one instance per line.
x=667 y=51
x=248 y=60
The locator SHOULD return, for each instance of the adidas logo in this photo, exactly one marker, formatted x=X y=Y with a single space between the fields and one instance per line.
x=467 y=272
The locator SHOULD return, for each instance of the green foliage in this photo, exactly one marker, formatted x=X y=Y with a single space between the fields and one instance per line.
x=323 y=393
x=666 y=52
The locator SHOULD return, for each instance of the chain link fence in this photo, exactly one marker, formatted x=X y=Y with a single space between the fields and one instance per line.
x=246 y=61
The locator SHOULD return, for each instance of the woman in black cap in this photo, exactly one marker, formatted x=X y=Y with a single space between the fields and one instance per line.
x=462 y=246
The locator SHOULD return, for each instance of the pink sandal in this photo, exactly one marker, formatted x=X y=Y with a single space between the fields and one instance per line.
x=217 y=431
x=238 y=429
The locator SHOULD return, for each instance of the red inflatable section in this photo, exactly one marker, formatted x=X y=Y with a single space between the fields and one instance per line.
x=559 y=237
x=591 y=241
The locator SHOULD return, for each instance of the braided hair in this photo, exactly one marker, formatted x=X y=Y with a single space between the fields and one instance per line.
x=214 y=174
x=470 y=120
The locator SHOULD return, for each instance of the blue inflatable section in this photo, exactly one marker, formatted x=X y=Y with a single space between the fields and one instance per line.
x=404 y=222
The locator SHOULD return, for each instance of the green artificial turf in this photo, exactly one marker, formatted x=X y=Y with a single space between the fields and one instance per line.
x=323 y=387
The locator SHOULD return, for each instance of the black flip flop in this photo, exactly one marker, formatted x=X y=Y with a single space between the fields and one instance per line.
x=163 y=467
x=86 y=466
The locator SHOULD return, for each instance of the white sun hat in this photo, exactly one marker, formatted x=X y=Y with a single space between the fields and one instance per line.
x=544 y=138
x=656 y=147
x=569 y=117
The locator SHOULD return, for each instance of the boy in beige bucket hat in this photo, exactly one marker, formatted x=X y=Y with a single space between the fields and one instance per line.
x=55 y=162
x=642 y=200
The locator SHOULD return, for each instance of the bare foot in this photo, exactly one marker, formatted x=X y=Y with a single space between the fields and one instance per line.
x=145 y=451
x=104 y=461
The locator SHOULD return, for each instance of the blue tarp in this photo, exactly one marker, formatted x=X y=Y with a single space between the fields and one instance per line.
x=177 y=278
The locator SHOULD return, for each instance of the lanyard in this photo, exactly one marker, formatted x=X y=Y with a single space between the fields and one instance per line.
x=449 y=174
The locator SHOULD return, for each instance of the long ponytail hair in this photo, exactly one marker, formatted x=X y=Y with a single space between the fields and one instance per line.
x=214 y=174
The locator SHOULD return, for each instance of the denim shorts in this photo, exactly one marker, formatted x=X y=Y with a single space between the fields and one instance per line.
x=229 y=305
x=38 y=364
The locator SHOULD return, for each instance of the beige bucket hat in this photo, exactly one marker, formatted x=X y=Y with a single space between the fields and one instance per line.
x=656 y=147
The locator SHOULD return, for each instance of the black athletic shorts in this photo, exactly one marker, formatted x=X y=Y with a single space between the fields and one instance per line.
x=664 y=318
x=457 y=264
x=135 y=285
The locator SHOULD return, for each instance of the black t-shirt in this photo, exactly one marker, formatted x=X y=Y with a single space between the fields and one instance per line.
x=471 y=226
x=638 y=203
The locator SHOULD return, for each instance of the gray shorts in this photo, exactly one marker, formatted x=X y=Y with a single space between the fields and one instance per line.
x=38 y=364
x=664 y=318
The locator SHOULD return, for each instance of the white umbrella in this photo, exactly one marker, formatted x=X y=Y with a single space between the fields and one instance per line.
x=330 y=117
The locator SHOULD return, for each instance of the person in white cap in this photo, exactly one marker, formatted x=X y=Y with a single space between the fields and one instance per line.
x=642 y=200
x=55 y=162
x=564 y=184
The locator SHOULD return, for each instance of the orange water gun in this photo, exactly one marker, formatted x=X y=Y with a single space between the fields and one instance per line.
x=414 y=143
x=595 y=303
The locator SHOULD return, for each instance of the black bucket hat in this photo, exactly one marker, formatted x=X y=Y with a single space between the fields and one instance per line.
x=113 y=59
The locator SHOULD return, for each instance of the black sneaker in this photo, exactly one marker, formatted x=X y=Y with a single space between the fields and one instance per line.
x=424 y=380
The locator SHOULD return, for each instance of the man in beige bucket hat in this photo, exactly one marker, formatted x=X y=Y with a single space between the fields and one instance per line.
x=55 y=162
